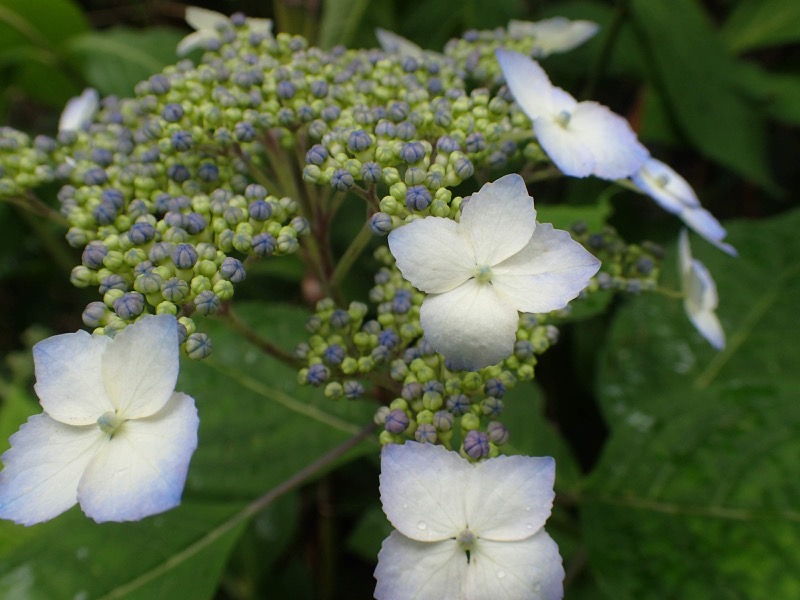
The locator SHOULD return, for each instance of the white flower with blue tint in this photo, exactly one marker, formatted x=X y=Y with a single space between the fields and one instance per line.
x=396 y=44
x=114 y=435
x=553 y=35
x=466 y=530
x=581 y=138
x=208 y=24
x=79 y=111
x=674 y=194
x=699 y=294
x=481 y=272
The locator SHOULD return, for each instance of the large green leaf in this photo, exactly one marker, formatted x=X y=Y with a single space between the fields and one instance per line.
x=696 y=493
x=697 y=77
x=340 y=20
x=762 y=23
x=115 y=60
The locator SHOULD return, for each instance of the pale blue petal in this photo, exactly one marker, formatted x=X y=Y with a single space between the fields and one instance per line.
x=472 y=325
x=69 y=379
x=393 y=43
x=510 y=497
x=412 y=570
x=202 y=18
x=141 y=471
x=706 y=226
x=529 y=569
x=670 y=191
x=422 y=490
x=700 y=294
x=616 y=150
x=547 y=273
x=556 y=34
x=498 y=220
x=528 y=83
x=140 y=366
x=565 y=147
x=195 y=40
x=79 y=111
x=43 y=468
x=431 y=254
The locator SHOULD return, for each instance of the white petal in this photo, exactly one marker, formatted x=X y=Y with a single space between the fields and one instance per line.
x=263 y=26
x=700 y=294
x=411 y=570
x=202 y=18
x=510 y=497
x=393 y=43
x=529 y=569
x=69 y=379
x=142 y=469
x=671 y=191
x=617 y=152
x=140 y=366
x=498 y=220
x=43 y=467
x=472 y=325
x=422 y=490
x=545 y=275
x=528 y=83
x=557 y=34
x=79 y=111
x=565 y=147
x=431 y=254
x=706 y=226
x=196 y=39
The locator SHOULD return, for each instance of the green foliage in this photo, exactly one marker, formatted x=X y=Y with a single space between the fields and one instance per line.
x=695 y=494
x=755 y=24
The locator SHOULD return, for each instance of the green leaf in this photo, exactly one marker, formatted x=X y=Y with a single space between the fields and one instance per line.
x=340 y=20
x=114 y=60
x=698 y=80
x=44 y=23
x=695 y=495
x=562 y=216
x=257 y=425
x=778 y=94
x=762 y=23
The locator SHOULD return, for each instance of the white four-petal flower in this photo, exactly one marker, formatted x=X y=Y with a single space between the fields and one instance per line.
x=207 y=24
x=79 y=111
x=479 y=273
x=557 y=34
x=674 y=194
x=464 y=530
x=114 y=435
x=700 y=294
x=581 y=138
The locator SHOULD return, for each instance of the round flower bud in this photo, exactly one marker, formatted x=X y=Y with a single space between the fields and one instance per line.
x=498 y=433
x=476 y=445
x=425 y=433
x=93 y=255
x=141 y=233
x=95 y=314
x=184 y=256
x=380 y=223
x=359 y=141
x=129 y=305
x=198 y=346
x=353 y=390
x=317 y=374
x=175 y=290
x=418 y=198
x=443 y=420
x=206 y=302
x=396 y=421
x=260 y=210
x=232 y=269
x=412 y=152
x=342 y=180
x=113 y=282
x=264 y=244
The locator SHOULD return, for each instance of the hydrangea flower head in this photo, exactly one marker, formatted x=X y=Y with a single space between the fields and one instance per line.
x=207 y=24
x=481 y=272
x=114 y=435
x=557 y=34
x=79 y=111
x=466 y=530
x=581 y=138
x=674 y=194
x=700 y=294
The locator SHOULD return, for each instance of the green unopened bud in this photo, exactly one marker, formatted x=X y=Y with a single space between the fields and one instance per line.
x=470 y=421
x=82 y=277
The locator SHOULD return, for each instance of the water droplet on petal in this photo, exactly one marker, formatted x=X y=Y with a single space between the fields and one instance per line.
x=405 y=505
x=528 y=526
x=422 y=525
x=501 y=574
x=528 y=508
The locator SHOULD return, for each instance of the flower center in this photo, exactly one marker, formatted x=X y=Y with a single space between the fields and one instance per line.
x=662 y=180
x=110 y=422
x=466 y=539
x=482 y=273
x=563 y=118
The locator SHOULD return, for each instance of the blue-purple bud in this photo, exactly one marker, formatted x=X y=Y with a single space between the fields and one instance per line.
x=159 y=85
x=175 y=290
x=141 y=233
x=172 y=113
x=184 y=256
x=160 y=251
x=443 y=420
x=264 y=244
x=463 y=168
x=129 y=305
x=495 y=387
x=102 y=156
x=178 y=173
x=333 y=355
x=492 y=407
x=317 y=374
x=396 y=421
x=286 y=90
x=446 y=144
x=380 y=223
x=95 y=176
x=198 y=346
x=458 y=404
x=406 y=130
x=401 y=303
x=93 y=255
x=208 y=171
x=475 y=142
x=244 y=132
x=412 y=152
x=207 y=302
x=398 y=111
x=317 y=154
x=112 y=282
x=498 y=433
x=340 y=318
x=342 y=180
x=232 y=269
x=358 y=141
x=95 y=314
x=411 y=391
x=385 y=129
x=425 y=433
x=371 y=172
x=418 y=197
x=476 y=444
x=353 y=390
x=181 y=140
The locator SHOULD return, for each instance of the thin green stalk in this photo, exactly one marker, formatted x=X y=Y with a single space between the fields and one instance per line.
x=610 y=39
x=354 y=250
x=32 y=204
x=235 y=323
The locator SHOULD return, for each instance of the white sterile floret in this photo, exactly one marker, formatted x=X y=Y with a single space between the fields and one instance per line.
x=481 y=272
x=396 y=44
x=674 y=194
x=700 y=294
x=466 y=530
x=114 y=435
x=581 y=138
x=79 y=111
x=553 y=35
x=207 y=24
